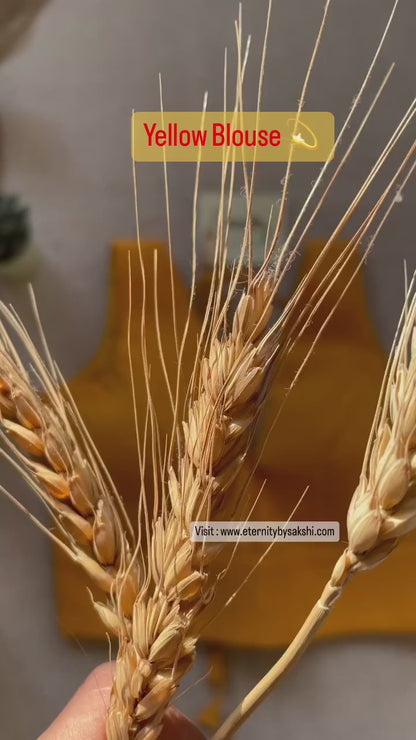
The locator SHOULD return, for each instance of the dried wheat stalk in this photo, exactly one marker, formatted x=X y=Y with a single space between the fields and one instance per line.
x=66 y=476
x=382 y=509
x=161 y=648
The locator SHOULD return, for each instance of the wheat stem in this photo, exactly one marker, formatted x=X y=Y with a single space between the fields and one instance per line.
x=382 y=509
x=295 y=650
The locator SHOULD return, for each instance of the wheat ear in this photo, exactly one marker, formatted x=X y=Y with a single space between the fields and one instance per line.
x=381 y=512
x=66 y=475
x=154 y=658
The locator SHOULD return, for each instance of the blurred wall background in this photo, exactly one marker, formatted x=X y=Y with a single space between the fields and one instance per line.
x=65 y=102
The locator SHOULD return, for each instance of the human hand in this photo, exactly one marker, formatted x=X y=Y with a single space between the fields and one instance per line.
x=84 y=717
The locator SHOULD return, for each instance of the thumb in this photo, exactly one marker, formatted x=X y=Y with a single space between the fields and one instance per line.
x=85 y=715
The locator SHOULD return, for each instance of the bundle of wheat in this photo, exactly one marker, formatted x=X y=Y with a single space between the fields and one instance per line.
x=158 y=580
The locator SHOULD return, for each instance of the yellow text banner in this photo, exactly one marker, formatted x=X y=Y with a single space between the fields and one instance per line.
x=217 y=136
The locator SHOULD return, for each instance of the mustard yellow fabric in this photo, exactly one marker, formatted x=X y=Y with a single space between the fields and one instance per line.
x=318 y=442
